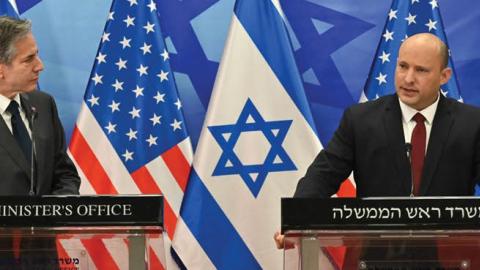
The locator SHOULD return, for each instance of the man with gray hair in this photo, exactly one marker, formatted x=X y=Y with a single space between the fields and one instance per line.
x=32 y=137
x=33 y=159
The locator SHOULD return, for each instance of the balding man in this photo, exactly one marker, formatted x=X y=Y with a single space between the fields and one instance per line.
x=376 y=138
x=412 y=143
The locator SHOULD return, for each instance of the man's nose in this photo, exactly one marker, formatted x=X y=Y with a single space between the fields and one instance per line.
x=38 y=65
x=409 y=76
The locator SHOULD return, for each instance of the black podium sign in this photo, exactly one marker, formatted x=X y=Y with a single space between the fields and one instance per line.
x=428 y=213
x=49 y=211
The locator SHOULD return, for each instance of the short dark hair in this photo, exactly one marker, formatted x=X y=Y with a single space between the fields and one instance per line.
x=11 y=30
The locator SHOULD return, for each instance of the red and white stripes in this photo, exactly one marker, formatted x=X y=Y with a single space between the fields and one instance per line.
x=103 y=172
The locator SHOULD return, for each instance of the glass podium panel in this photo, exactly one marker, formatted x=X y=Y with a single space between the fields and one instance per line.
x=382 y=233
x=382 y=250
x=81 y=248
x=81 y=232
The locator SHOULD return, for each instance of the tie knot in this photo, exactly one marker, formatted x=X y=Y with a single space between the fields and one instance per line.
x=13 y=108
x=419 y=118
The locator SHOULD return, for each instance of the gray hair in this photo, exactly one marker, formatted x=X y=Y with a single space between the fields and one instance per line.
x=11 y=30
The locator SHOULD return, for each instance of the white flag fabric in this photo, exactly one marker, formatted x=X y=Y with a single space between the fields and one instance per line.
x=257 y=141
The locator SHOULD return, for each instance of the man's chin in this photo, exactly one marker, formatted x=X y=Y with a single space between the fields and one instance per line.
x=30 y=89
x=409 y=101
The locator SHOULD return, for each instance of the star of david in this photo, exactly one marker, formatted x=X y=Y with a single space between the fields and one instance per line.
x=276 y=160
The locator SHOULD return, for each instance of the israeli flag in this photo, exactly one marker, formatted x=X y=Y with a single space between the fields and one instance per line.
x=257 y=141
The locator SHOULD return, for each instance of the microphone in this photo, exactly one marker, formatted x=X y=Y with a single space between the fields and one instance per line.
x=33 y=116
x=408 y=149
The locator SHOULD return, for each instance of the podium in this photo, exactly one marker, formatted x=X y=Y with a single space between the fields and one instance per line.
x=381 y=233
x=81 y=232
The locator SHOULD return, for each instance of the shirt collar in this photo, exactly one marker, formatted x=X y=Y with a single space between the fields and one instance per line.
x=429 y=112
x=4 y=102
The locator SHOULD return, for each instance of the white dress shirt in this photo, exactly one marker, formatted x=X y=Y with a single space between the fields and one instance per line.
x=409 y=124
x=4 y=102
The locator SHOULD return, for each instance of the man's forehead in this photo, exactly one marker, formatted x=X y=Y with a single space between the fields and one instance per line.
x=26 y=45
x=410 y=62
x=420 y=50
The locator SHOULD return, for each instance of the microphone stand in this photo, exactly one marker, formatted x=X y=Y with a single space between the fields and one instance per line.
x=408 y=149
x=33 y=115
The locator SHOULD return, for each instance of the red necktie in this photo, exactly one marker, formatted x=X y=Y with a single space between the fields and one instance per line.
x=419 y=139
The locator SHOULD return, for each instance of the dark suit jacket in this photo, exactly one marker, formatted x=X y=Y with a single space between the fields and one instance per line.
x=55 y=172
x=370 y=142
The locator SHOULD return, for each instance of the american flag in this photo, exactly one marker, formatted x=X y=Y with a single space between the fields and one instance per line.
x=130 y=136
x=404 y=19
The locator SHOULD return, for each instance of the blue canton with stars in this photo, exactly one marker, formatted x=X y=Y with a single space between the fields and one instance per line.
x=404 y=19
x=277 y=159
x=131 y=91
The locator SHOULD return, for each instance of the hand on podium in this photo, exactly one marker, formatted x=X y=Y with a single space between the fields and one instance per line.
x=281 y=242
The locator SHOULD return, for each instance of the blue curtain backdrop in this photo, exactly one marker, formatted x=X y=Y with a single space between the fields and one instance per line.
x=334 y=44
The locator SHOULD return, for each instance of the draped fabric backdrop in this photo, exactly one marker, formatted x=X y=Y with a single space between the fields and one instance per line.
x=334 y=44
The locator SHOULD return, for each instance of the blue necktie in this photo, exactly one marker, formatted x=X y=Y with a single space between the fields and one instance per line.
x=20 y=131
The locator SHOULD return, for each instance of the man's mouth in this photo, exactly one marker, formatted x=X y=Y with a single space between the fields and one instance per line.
x=409 y=90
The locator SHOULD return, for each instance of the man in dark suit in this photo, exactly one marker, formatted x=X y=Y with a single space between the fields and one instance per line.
x=33 y=159
x=413 y=143
x=373 y=138
x=20 y=66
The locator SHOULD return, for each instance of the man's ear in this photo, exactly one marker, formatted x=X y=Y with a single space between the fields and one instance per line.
x=445 y=75
x=2 y=71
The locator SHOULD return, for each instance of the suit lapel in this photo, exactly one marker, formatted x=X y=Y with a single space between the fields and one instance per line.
x=10 y=145
x=442 y=123
x=392 y=122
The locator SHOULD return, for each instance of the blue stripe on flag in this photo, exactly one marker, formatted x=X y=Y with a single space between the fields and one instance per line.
x=212 y=228
x=7 y=9
x=256 y=17
x=24 y=5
